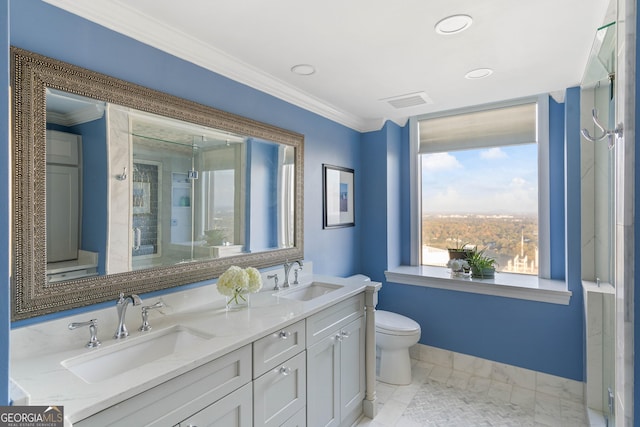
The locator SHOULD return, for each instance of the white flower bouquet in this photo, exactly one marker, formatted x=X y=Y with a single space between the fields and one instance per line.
x=459 y=266
x=236 y=282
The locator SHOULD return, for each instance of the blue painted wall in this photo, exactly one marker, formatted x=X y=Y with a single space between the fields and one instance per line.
x=94 y=184
x=263 y=211
x=371 y=211
x=556 y=192
x=382 y=169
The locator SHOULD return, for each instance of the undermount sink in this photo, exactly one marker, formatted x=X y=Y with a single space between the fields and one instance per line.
x=309 y=292
x=132 y=353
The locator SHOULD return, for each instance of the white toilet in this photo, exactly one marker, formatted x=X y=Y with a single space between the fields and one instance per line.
x=394 y=335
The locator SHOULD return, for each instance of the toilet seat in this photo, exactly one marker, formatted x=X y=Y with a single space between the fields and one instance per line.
x=395 y=324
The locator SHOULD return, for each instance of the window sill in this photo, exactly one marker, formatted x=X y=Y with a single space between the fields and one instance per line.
x=506 y=285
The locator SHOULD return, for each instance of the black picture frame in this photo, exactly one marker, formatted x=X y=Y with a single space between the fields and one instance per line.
x=338 y=192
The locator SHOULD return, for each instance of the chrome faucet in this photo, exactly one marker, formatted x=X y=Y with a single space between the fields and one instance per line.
x=275 y=279
x=121 y=305
x=287 y=267
x=93 y=331
x=145 y=315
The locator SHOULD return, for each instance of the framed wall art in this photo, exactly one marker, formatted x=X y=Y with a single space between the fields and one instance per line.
x=338 y=197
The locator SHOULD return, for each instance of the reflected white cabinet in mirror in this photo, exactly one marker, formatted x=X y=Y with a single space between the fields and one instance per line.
x=169 y=192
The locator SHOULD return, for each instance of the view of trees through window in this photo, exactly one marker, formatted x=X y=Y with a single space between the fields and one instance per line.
x=486 y=198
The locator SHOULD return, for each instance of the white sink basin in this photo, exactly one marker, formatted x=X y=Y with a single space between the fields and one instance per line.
x=309 y=292
x=105 y=363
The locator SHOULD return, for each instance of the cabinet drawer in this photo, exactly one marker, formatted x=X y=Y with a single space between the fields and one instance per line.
x=272 y=350
x=323 y=324
x=280 y=393
x=299 y=419
x=175 y=400
x=233 y=410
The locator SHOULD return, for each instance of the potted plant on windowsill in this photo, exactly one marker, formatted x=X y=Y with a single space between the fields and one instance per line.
x=215 y=236
x=460 y=251
x=482 y=266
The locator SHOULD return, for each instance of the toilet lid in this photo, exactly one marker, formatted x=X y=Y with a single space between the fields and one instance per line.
x=395 y=324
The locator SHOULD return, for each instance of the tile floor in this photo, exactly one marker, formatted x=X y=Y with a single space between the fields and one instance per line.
x=444 y=397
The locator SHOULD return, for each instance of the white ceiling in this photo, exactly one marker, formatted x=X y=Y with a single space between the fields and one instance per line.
x=366 y=51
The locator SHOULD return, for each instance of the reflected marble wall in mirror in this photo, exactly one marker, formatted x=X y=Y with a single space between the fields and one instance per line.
x=140 y=190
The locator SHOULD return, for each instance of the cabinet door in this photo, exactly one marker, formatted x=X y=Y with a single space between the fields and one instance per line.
x=234 y=410
x=280 y=393
x=323 y=379
x=63 y=212
x=352 y=372
x=299 y=419
x=63 y=148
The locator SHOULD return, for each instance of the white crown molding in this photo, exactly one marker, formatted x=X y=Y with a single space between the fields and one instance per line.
x=123 y=19
x=77 y=117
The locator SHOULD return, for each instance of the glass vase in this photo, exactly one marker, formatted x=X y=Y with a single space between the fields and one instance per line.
x=238 y=301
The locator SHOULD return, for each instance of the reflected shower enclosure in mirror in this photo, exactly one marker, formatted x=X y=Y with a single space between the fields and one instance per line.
x=120 y=188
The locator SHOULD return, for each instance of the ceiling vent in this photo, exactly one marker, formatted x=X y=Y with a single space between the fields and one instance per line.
x=409 y=100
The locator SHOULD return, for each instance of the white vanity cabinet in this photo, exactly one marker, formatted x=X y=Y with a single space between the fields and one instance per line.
x=177 y=400
x=336 y=364
x=279 y=370
x=308 y=373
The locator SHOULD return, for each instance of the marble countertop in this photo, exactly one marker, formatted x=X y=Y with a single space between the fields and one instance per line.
x=37 y=351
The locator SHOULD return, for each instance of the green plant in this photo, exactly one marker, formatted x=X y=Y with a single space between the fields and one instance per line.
x=481 y=265
x=459 y=246
x=215 y=236
x=460 y=250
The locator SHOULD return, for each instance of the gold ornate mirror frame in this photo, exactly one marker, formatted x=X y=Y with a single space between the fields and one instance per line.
x=32 y=296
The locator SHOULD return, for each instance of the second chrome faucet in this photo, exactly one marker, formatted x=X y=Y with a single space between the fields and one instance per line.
x=287 y=268
x=121 y=306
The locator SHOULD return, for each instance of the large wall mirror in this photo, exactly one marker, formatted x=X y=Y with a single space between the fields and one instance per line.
x=120 y=188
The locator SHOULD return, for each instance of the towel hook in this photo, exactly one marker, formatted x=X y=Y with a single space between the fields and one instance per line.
x=610 y=134
x=123 y=175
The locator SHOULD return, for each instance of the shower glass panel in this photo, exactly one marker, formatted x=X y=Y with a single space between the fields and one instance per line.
x=597 y=97
x=598 y=215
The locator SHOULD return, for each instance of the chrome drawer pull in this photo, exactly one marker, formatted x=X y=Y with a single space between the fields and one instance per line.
x=285 y=371
x=284 y=334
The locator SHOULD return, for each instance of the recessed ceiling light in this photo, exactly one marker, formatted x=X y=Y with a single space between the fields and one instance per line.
x=453 y=24
x=478 y=73
x=303 y=69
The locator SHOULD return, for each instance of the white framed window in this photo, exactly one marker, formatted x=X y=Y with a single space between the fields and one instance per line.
x=480 y=176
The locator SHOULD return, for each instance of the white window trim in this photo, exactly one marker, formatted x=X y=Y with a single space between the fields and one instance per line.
x=415 y=188
x=534 y=288
x=544 y=213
